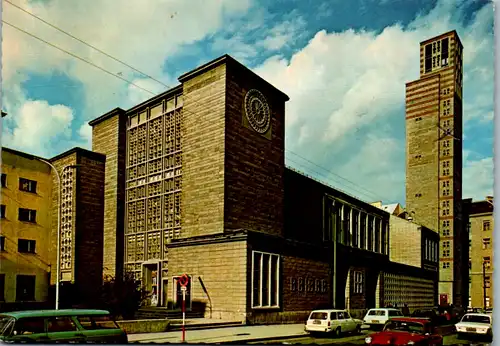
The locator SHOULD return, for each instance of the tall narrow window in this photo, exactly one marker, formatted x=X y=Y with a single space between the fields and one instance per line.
x=4 y=180
x=444 y=52
x=265 y=280
x=355 y=228
x=2 y=211
x=428 y=58
x=347 y=225
x=362 y=230
x=358 y=282
x=370 y=233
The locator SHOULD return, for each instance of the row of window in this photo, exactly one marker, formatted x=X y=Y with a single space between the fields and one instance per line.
x=25 y=215
x=25 y=287
x=25 y=185
x=431 y=250
x=356 y=228
x=486 y=263
x=23 y=245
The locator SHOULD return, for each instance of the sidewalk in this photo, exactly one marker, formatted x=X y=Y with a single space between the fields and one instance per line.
x=243 y=333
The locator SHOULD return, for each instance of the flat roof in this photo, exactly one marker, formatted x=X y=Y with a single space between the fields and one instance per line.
x=23 y=154
x=80 y=151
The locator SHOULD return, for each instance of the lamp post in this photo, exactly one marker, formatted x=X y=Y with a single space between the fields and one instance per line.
x=58 y=260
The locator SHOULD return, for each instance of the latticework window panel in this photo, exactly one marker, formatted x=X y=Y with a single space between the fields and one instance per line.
x=139 y=249
x=155 y=138
x=132 y=147
x=131 y=216
x=154 y=241
x=154 y=189
x=169 y=211
x=155 y=167
x=131 y=243
x=154 y=183
x=169 y=133
x=154 y=213
x=140 y=215
x=141 y=143
x=66 y=220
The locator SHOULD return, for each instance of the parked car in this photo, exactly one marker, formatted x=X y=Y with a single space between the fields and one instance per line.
x=336 y=321
x=406 y=331
x=431 y=314
x=60 y=326
x=380 y=316
x=475 y=324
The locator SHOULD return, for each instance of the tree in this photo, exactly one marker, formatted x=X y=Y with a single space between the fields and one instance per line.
x=122 y=297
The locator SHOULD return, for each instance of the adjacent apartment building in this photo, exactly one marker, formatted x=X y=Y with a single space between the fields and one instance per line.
x=434 y=159
x=25 y=228
x=481 y=250
x=30 y=207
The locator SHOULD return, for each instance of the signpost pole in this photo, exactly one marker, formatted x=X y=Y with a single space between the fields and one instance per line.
x=183 y=288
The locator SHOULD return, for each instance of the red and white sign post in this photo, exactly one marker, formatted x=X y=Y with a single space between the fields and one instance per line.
x=184 y=280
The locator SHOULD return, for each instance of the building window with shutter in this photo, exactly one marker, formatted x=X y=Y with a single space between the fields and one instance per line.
x=486 y=225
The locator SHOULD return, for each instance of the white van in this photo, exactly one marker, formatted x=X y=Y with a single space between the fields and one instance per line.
x=337 y=321
x=380 y=316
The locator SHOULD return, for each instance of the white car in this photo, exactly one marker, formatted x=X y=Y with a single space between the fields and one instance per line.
x=475 y=323
x=336 y=321
x=380 y=316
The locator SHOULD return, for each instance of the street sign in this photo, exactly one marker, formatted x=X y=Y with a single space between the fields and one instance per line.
x=184 y=280
x=184 y=288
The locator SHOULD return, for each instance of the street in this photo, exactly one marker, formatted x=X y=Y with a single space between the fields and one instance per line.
x=360 y=340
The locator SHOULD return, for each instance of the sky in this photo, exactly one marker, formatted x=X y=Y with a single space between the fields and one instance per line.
x=344 y=65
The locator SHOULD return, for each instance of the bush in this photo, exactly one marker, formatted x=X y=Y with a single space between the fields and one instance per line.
x=122 y=297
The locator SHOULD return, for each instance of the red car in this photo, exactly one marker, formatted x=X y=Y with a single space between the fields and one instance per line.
x=406 y=331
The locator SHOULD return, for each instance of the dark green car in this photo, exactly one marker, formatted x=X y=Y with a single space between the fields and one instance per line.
x=60 y=326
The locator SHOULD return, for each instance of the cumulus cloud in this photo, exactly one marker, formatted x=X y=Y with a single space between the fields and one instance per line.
x=478 y=178
x=37 y=124
x=347 y=93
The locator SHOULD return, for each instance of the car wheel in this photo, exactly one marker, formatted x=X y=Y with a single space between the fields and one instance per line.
x=338 y=332
x=358 y=329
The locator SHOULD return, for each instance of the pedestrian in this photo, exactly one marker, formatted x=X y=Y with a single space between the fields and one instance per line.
x=406 y=310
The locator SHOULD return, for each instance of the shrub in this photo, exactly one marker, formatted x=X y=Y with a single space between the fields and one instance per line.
x=122 y=297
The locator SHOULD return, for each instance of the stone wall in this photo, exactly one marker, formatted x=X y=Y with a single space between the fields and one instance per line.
x=108 y=138
x=254 y=162
x=221 y=267
x=203 y=153
x=90 y=225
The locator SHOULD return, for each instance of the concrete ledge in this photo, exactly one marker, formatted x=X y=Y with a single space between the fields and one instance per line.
x=258 y=340
x=144 y=326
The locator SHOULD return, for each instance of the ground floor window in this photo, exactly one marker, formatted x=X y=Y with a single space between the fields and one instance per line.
x=358 y=282
x=25 y=288
x=265 y=279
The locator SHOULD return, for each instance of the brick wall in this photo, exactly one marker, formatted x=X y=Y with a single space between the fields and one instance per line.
x=90 y=224
x=254 y=163
x=203 y=153
x=422 y=165
x=222 y=268
x=306 y=284
x=108 y=137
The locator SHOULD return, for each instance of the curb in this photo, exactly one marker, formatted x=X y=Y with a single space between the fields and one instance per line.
x=177 y=327
x=268 y=338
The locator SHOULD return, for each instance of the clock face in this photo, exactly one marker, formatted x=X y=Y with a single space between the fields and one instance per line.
x=257 y=111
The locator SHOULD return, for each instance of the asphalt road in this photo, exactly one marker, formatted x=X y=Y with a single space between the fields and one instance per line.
x=360 y=340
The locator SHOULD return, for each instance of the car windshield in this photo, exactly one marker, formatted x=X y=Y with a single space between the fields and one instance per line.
x=410 y=327
x=6 y=322
x=376 y=313
x=319 y=316
x=476 y=319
